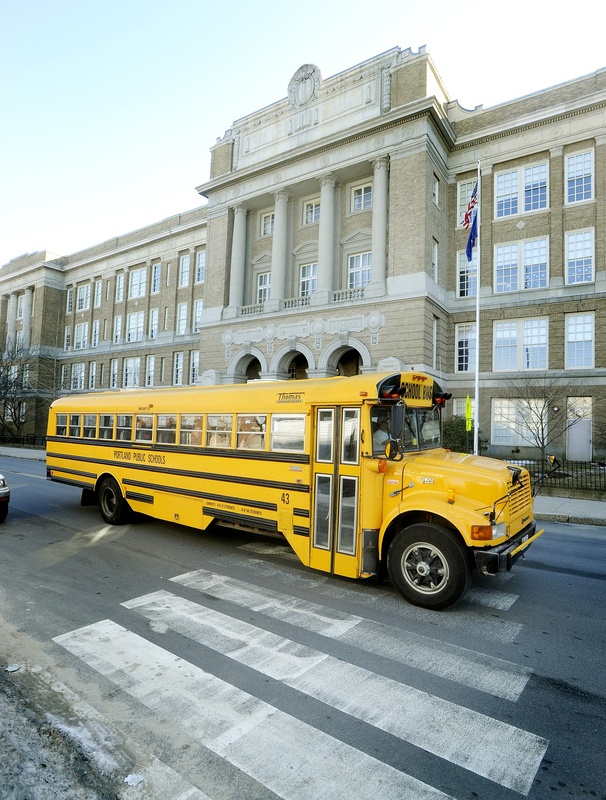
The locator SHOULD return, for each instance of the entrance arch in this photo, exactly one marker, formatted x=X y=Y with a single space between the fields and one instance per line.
x=292 y=363
x=246 y=366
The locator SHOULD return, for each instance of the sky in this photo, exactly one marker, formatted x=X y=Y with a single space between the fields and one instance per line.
x=109 y=108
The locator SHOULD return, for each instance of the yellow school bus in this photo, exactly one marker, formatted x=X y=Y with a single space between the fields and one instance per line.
x=350 y=471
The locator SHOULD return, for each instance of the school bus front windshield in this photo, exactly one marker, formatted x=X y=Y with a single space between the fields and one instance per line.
x=416 y=429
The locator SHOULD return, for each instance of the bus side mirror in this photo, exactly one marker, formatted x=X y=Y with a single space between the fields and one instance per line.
x=392 y=451
x=397 y=421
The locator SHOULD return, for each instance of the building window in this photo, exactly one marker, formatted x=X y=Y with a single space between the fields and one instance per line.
x=467 y=280
x=117 y=328
x=135 y=325
x=113 y=373
x=178 y=369
x=521 y=265
x=464 y=190
x=263 y=286
x=120 y=287
x=194 y=366
x=20 y=301
x=156 y=278
x=533 y=179
x=579 y=177
x=520 y=345
x=81 y=336
x=92 y=374
x=77 y=381
x=131 y=372
x=267 y=224
x=181 y=319
x=359 y=270
x=69 y=307
x=150 y=365
x=153 y=323
x=308 y=281
x=466 y=347
x=137 y=278
x=95 y=334
x=184 y=263
x=434 y=259
x=509 y=421
x=361 y=197
x=579 y=341
x=67 y=337
x=201 y=266
x=579 y=256
x=311 y=212
x=63 y=376
x=435 y=190
x=98 y=292
x=198 y=309
x=83 y=297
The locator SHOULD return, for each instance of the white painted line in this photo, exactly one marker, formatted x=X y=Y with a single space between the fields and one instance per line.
x=488 y=747
x=289 y=757
x=466 y=667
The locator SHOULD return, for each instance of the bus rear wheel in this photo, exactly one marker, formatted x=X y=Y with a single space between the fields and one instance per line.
x=113 y=507
x=428 y=566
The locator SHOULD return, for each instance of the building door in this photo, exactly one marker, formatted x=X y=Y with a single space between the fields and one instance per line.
x=579 y=424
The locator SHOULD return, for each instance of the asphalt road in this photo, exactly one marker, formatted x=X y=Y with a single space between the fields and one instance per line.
x=216 y=666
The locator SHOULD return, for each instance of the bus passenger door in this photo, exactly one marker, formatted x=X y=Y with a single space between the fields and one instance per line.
x=335 y=491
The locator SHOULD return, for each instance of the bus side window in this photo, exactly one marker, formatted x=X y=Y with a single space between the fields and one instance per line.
x=124 y=427
x=90 y=426
x=325 y=434
x=61 y=425
x=74 y=424
x=144 y=427
x=218 y=430
x=190 y=429
x=288 y=432
x=166 y=429
x=106 y=426
x=251 y=432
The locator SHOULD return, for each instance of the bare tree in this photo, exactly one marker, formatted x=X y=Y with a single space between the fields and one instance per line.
x=26 y=374
x=542 y=409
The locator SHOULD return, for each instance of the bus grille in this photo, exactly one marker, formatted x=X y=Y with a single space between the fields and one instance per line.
x=520 y=499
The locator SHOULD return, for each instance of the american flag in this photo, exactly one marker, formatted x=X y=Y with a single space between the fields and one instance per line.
x=473 y=201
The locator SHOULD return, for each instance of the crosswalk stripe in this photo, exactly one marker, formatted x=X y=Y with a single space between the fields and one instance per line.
x=485 y=627
x=269 y=745
x=493 y=749
x=490 y=598
x=467 y=667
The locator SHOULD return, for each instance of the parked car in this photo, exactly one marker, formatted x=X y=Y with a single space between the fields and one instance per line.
x=5 y=495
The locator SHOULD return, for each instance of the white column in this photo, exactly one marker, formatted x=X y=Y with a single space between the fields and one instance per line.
x=11 y=317
x=379 y=227
x=27 y=317
x=278 y=251
x=326 y=238
x=238 y=258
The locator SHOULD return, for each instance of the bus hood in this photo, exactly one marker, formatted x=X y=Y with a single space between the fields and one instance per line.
x=488 y=480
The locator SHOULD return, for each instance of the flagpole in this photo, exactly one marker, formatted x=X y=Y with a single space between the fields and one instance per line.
x=477 y=364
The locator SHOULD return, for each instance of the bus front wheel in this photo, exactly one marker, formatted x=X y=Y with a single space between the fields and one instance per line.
x=112 y=505
x=428 y=566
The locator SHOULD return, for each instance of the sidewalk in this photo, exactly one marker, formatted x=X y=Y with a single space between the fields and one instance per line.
x=549 y=509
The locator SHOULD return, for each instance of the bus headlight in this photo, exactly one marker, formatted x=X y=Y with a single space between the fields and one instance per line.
x=486 y=533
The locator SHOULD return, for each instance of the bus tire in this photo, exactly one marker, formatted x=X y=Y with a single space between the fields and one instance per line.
x=428 y=566
x=113 y=507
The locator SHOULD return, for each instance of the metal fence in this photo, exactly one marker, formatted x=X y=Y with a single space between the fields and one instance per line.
x=29 y=440
x=566 y=477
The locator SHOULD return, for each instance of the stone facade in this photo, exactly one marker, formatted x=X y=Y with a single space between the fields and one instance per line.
x=333 y=243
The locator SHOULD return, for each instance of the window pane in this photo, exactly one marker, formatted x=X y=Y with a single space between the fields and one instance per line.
x=579 y=177
x=505 y=346
x=579 y=263
x=166 y=428
x=535 y=187
x=507 y=194
x=218 y=430
x=251 y=432
x=350 y=435
x=535 y=344
x=348 y=496
x=288 y=432
x=535 y=264
x=325 y=435
x=507 y=268
x=322 y=511
x=190 y=429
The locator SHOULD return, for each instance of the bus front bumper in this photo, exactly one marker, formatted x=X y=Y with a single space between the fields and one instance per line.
x=502 y=557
